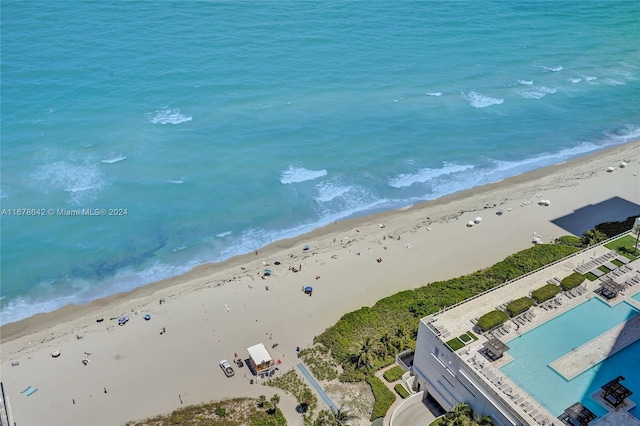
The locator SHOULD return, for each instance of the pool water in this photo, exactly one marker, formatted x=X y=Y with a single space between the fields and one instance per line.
x=534 y=350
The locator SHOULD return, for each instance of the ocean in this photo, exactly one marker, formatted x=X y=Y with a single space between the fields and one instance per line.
x=141 y=138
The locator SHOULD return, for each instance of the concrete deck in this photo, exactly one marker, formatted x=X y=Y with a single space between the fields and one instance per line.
x=598 y=349
x=454 y=322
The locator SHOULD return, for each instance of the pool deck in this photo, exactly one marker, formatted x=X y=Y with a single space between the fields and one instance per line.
x=598 y=349
x=457 y=321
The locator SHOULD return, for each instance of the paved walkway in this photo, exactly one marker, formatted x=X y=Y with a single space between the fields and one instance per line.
x=598 y=349
x=314 y=383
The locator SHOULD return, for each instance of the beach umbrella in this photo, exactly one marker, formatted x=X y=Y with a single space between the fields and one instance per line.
x=623 y=164
x=610 y=169
x=55 y=353
x=477 y=219
x=470 y=223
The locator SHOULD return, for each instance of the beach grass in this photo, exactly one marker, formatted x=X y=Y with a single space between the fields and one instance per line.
x=228 y=412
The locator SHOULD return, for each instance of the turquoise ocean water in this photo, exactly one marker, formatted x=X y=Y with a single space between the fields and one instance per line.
x=223 y=126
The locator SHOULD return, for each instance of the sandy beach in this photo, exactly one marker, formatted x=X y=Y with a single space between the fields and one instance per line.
x=217 y=310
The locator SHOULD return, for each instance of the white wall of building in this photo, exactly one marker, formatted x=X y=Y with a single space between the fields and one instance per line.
x=442 y=374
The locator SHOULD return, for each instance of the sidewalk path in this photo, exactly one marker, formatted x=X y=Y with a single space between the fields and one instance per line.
x=314 y=383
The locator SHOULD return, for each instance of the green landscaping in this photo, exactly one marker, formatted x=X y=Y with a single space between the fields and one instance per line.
x=391 y=324
x=545 y=293
x=401 y=390
x=393 y=374
x=492 y=319
x=455 y=344
x=228 y=412
x=572 y=281
x=384 y=398
x=625 y=246
x=292 y=383
x=518 y=306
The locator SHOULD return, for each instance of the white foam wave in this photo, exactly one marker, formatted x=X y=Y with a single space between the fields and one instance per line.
x=328 y=191
x=557 y=68
x=300 y=174
x=223 y=234
x=81 y=181
x=176 y=181
x=536 y=92
x=179 y=248
x=168 y=115
x=575 y=80
x=114 y=159
x=478 y=100
x=613 y=82
x=433 y=93
x=525 y=82
x=425 y=175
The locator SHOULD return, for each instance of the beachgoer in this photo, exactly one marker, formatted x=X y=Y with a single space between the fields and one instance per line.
x=379 y=260
x=105 y=390
x=164 y=330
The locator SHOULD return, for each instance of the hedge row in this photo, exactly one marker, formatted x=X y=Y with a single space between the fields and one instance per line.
x=572 y=281
x=384 y=398
x=402 y=391
x=393 y=374
x=492 y=319
x=518 y=306
x=545 y=293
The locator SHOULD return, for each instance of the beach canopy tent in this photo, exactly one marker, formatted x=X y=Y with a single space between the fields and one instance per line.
x=261 y=359
x=577 y=414
x=615 y=393
x=495 y=348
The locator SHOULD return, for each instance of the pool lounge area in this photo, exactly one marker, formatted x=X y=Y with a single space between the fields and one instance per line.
x=545 y=364
x=533 y=351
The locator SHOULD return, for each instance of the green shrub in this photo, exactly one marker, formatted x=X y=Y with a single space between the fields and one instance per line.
x=611 y=229
x=570 y=240
x=402 y=391
x=220 y=411
x=394 y=373
x=473 y=336
x=572 y=281
x=545 y=293
x=518 y=306
x=455 y=344
x=492 y=319
x=465 y=338
x=384 y=398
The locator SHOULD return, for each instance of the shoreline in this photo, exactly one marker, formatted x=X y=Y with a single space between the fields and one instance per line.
x=24 y=326
x=217 y=309
x=14 y=328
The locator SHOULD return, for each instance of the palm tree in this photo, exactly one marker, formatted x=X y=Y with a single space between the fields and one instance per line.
x=593 y=236
x=401 y=339
x=261 y=401
x=485 y=421
x=369 y=350
x=636 y=229
x=275 y=399
x=387 y=344
x=341 y=417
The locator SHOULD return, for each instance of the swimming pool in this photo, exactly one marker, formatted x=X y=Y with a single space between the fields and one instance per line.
x=534 y=350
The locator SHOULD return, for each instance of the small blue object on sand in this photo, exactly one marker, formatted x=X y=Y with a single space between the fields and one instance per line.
x=28 y=391
x=147 y=317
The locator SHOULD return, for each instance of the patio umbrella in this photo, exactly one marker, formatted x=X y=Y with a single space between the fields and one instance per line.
x=477 y=219
x=55 y=353
x=470 y=223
